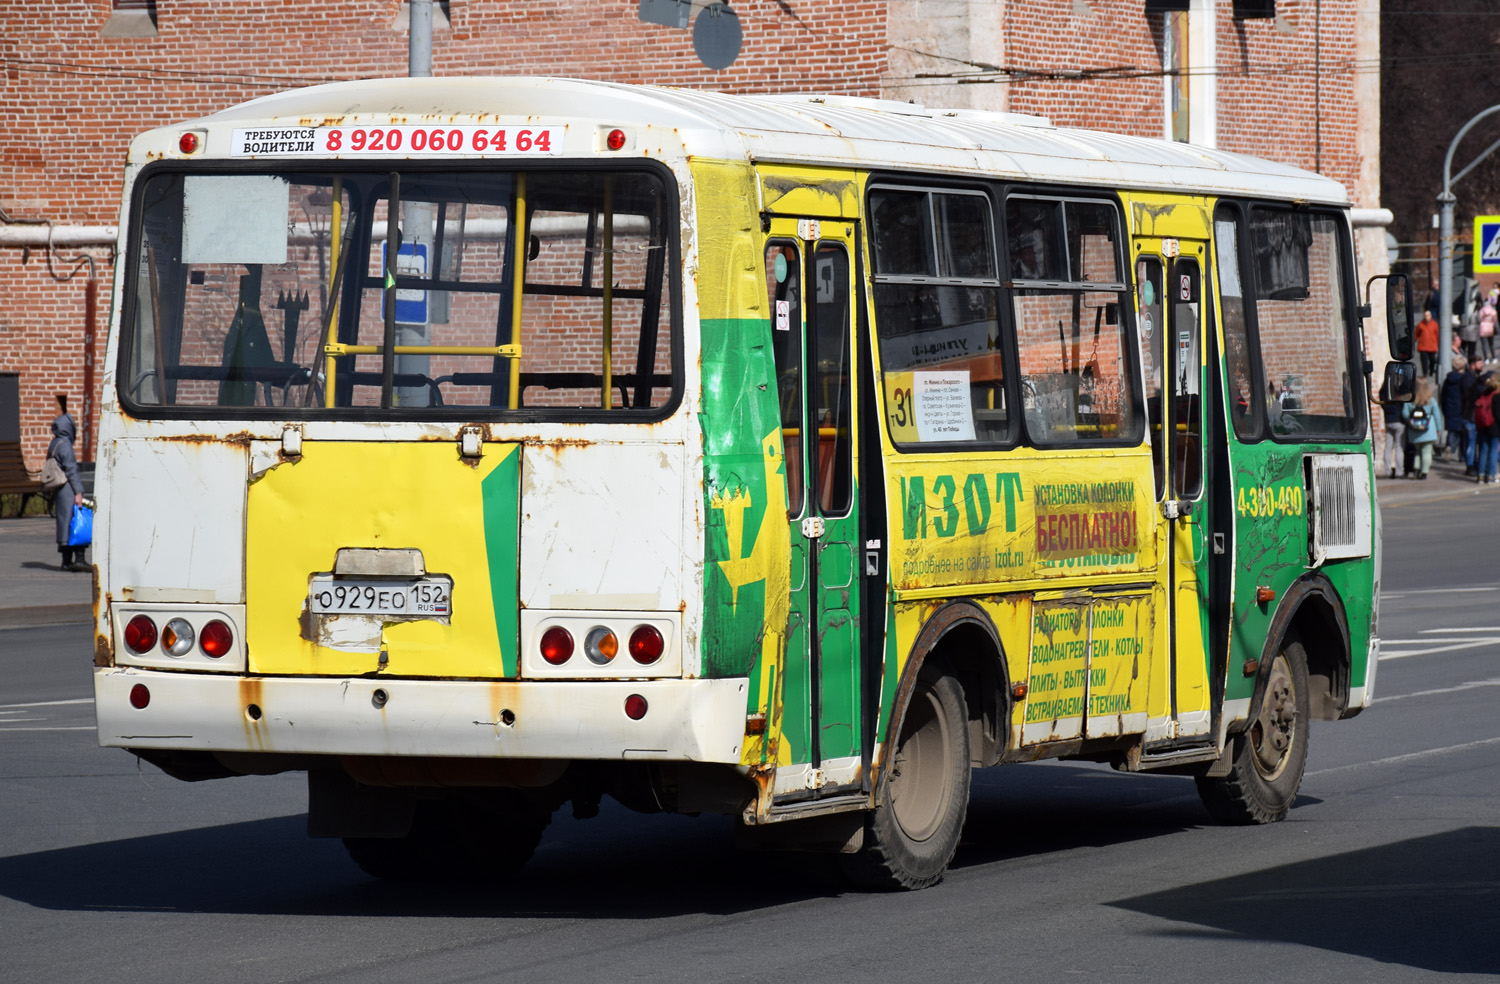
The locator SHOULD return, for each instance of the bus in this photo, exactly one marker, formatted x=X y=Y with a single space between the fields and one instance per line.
x=479 y=446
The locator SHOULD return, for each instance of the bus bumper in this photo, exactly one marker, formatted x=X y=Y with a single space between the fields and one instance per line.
x=685 y=720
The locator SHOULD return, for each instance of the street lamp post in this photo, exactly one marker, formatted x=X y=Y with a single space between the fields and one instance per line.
x=1445 y=236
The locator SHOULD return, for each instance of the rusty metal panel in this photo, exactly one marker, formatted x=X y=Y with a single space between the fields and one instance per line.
x=177 y=519
x=601 y=526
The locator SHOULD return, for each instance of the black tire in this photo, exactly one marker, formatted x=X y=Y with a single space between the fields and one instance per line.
x=913 y=833
x=452 y=839
x=1269 y=757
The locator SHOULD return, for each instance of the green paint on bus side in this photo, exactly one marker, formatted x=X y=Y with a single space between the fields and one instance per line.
x=739 y=412
x=501 y=493
x=1271 y=506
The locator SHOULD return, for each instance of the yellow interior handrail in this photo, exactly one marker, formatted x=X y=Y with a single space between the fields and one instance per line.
x=333 y=349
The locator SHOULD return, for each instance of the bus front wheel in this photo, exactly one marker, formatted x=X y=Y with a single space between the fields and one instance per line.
x=1268 y=758
x=913 y=833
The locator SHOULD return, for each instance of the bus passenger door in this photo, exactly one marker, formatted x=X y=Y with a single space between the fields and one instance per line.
x=1171 y=300
x=808 y=272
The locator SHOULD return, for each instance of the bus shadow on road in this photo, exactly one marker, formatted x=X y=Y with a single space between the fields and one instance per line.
x=1031 y=810
x=1429 y=902
x=619 y=865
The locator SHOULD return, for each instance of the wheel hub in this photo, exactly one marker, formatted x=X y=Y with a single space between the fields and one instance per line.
x=1273 y=732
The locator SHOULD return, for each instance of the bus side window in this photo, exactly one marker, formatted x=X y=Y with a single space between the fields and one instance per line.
x=1072 y=335
x=1148 y=318
x=784 y=287
x=1244 y=398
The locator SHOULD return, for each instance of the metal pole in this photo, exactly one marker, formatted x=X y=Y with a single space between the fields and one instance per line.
x=1445 y=280
x=1445 y=239
x=419 y=51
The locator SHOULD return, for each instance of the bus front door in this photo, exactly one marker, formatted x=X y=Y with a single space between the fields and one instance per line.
x=1171 y=301
x=808 y=274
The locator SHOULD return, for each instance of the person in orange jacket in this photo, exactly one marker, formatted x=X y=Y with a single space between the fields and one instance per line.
x=1427 y=343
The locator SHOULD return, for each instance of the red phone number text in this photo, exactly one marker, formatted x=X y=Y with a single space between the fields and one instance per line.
x=440 y=140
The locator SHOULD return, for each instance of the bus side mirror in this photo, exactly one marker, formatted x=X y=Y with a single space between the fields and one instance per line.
x=1400 y=384
x=1399 y=326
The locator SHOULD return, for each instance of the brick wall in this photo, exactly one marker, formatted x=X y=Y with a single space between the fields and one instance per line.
x=73 y=98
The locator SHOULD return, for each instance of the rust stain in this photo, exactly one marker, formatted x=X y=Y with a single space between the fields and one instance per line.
x=104 y=644
x=250 y=695
x=237 y=439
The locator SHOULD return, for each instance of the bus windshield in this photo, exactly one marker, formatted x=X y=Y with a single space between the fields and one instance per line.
x=274 y=292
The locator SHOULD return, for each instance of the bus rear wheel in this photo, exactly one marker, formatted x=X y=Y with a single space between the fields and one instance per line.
x=1269 y=756
x=913 y=833
x=455 y=838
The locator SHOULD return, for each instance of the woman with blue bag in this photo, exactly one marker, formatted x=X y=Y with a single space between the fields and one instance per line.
x=68 y=498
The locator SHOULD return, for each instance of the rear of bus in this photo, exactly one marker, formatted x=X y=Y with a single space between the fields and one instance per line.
x=399 y=471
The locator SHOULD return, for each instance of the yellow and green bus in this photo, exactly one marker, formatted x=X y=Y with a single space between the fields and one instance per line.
x=479 y=446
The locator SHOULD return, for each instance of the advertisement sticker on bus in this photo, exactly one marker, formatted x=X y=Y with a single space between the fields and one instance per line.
x=402 y=140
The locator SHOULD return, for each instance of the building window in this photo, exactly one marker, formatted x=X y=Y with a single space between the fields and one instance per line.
x=1189 y=93
x=131 y=19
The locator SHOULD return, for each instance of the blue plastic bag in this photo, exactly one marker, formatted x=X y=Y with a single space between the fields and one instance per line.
x=81 y=527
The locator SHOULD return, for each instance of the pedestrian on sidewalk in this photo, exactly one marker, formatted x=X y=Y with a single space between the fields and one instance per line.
x=1424 y=419
x=1487 y=430
x=1427 y=343
x=69 y=496
x=1456 y=386
x=1468 y=332
x=1395 y=428
x=1488 y=319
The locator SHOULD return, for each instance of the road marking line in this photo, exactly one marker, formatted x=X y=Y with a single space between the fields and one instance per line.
x=1475 y=628
x=1410 y=756
x=52 y=703
x=1425 y=591
x=1495 y=682
x=89 y=728
x=1434 y=649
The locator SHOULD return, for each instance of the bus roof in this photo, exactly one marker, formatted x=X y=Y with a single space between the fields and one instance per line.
x=806 y=129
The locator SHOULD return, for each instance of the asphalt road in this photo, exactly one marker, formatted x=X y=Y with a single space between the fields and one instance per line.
x=1388 y=869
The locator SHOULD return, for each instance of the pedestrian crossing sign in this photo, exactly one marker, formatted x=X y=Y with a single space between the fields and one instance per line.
x=1487 y=244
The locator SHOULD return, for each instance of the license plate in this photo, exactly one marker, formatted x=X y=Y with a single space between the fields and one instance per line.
x=429 y=597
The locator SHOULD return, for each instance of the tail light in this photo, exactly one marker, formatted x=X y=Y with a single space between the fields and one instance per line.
x=601 y=646
x=557 y=645
x=215 y=639
x=646 y=644
x=177 y=637
x=140 y=634
x=635 y=707
x=139 y=696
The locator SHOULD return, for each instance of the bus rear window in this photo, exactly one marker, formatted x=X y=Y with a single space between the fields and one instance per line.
x=276 y=291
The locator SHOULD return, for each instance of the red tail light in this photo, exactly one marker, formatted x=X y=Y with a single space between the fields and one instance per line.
x=635 y=707
x=139 y=696
x=140 y=634
x=646 y=644
x=557 y=645
x=215 y=639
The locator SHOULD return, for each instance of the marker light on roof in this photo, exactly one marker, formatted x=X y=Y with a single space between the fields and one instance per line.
x=615 y=140
x=188 y=142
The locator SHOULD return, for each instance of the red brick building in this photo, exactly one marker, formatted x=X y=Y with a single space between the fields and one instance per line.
x=82 y=77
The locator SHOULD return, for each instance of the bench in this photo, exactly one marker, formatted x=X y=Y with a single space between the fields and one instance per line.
x=14 y=478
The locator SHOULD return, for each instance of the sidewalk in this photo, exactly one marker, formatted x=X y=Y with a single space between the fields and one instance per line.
x=1446 y=480
x=34 y=590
